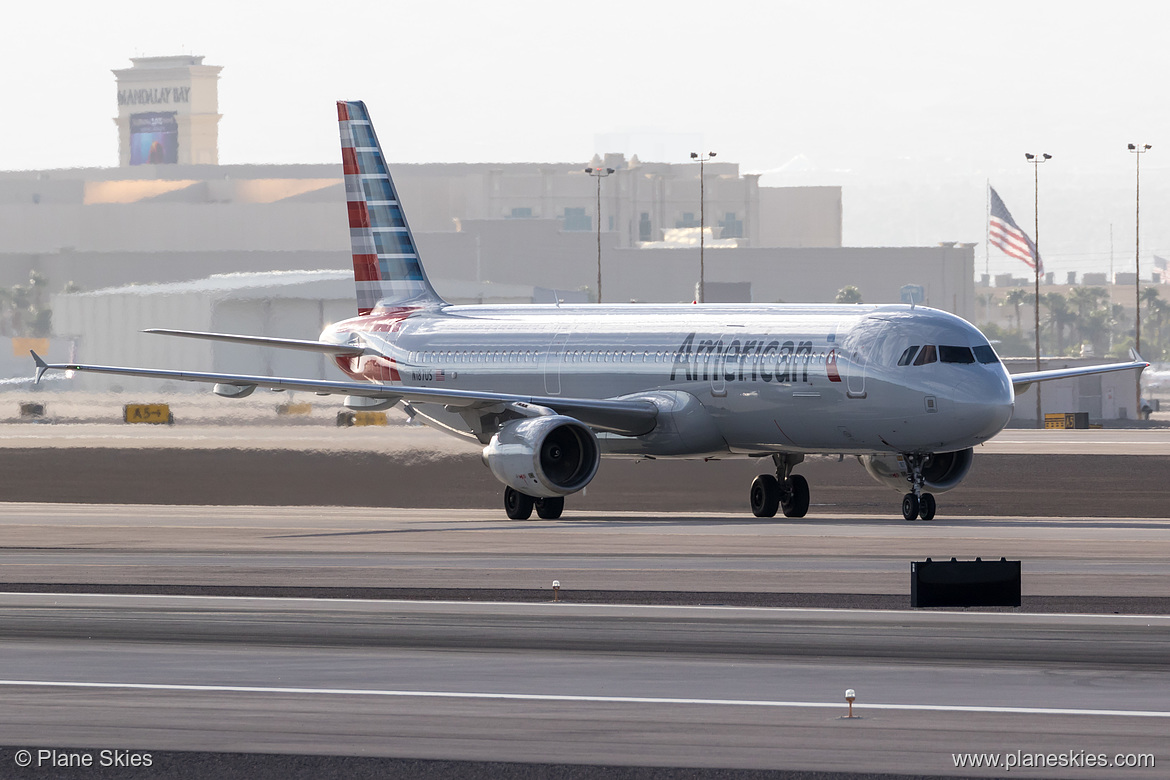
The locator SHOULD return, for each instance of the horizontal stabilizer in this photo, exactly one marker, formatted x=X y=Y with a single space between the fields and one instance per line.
x=325 y=347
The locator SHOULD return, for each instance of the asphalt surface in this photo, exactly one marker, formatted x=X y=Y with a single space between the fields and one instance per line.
x=568 y=685
x=1112 y=565
x=359 y=685
x=1072 y=485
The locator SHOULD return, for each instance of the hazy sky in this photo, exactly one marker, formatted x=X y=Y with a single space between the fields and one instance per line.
x=911 y=106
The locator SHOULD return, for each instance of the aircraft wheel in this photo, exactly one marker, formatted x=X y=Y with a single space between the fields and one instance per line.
x=550 y=508
x=765 y=496
x=517 y=504
x=794 y=500
x=910 y=506
x=926 y=506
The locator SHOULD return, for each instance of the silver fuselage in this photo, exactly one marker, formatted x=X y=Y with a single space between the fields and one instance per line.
x=772 y=378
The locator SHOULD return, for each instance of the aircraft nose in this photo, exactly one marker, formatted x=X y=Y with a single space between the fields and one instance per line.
x=985 y=401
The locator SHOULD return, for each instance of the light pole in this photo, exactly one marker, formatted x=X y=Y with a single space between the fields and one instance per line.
x=599 y=174
x=1036 y=160
x=1138 y=150
x=702 y=158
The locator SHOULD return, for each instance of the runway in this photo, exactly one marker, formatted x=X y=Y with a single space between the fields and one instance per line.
x=676 y=644
x=253 y=465
x=574 y=684
x=333 y=548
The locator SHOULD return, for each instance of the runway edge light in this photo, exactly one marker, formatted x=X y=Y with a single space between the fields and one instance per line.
x=556 y=590
x=850 y=695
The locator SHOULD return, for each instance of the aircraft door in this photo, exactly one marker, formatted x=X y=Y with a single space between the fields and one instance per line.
x=716 y=361
x=861 y=344
x=855 y=378
x=553 y=357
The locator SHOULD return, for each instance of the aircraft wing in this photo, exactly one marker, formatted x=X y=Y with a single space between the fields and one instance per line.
x=349 y=350
x=1021 y=382
x=629 y=417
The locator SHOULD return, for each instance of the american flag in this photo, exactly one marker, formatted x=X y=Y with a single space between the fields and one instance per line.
x=439 y=375
x=1006 y=234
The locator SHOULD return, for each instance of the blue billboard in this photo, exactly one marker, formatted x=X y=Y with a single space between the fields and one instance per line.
x=154 y=138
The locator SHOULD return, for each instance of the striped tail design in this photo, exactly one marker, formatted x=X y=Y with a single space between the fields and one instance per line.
x=386 y=266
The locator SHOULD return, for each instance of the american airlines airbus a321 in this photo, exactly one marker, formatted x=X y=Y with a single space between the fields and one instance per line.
x=548 y=390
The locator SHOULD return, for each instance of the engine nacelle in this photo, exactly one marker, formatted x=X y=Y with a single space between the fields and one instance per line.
x=942 y=471
x=544 y=457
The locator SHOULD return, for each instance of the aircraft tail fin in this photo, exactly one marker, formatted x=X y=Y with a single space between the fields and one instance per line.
x=386 y=265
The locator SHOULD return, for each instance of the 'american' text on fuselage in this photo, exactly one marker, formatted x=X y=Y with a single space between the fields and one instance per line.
x=745 y=360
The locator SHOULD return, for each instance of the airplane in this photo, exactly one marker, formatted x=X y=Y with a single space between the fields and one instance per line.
x=547 y=390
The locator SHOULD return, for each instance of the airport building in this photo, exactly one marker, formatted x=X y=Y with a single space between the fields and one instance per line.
x=170 y=215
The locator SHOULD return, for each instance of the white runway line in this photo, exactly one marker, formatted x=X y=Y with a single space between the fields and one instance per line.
x=928 y=614
x=576 y=698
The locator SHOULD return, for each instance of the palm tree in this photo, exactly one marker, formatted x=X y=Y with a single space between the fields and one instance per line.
x=1085 y=300
x=1060 y=316
x=1017 y=298
x=1096 y=328
x=1120 y=331
x=984 y=300
x=18 y=300
x=1158 y=310
x=5 y=312
x=37 y=283
x=1148 y=296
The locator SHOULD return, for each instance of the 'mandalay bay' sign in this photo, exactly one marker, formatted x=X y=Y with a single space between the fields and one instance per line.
x=155 y=95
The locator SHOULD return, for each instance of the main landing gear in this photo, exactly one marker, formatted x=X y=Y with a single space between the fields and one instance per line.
x=519 y=506
x=917 y=504
x=786 y=491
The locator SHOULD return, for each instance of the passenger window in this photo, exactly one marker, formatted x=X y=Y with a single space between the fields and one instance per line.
x=907 y=356
x=927 y=355
x=948 y=354
x=985 y=354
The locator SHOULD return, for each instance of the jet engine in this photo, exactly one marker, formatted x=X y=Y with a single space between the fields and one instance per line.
x=941 y=472
x=544 y=457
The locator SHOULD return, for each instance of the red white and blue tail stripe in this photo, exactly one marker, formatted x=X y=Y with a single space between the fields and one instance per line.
x=386 y=266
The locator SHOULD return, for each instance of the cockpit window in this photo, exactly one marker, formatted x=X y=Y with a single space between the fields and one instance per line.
x=948 y=354
x=985 y=354
x=928 y=355
x=907 y=356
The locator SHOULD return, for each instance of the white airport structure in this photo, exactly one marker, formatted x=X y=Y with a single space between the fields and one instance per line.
x=169 y=221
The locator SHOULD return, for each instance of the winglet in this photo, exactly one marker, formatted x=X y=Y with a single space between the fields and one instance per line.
x=42 y=366
x=1136 y=358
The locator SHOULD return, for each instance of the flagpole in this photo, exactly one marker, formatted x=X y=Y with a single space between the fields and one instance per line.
x=1138 y=150
x=1036 y=305
x=1112 y=281
x=987 y=242
x=1036 y=160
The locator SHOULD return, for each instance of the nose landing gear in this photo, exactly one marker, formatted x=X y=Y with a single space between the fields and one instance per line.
x=917 y=504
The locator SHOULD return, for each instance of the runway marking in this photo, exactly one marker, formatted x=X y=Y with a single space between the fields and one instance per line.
x=926 y=614
x=578 y=698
